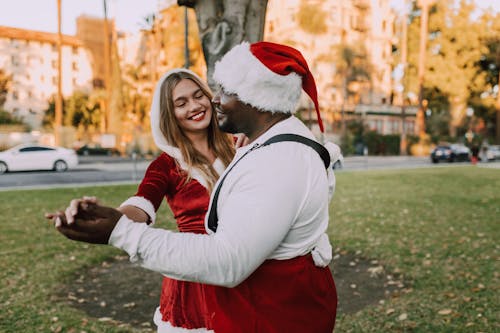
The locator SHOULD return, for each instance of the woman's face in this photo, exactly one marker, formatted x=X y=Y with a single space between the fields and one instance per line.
x=192 y=107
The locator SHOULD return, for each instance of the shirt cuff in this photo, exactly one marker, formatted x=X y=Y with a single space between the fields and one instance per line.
x=126 y=236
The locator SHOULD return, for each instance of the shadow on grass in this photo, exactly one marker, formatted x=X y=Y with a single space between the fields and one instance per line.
x=117 y=291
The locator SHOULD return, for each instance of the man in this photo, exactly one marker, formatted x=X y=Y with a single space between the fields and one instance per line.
x=267 y=251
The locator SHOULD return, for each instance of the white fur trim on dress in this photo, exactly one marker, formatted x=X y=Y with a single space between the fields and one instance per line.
x=142 y=203
x=166 y=327
x=240 y=72
x=158 y=136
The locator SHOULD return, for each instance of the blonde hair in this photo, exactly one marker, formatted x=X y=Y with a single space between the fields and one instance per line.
x=220 y=143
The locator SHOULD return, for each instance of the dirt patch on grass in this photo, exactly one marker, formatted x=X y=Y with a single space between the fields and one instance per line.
x=120 y=292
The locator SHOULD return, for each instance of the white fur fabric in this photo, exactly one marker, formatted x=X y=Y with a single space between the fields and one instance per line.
x=240 y=72
x=142 y=203
x=166 y=327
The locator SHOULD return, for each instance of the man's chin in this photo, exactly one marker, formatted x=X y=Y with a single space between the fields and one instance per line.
x=224 y=126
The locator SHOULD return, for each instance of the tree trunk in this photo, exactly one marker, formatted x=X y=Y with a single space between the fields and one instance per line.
x=498 y=114
x=225 y=23
x=457 y=113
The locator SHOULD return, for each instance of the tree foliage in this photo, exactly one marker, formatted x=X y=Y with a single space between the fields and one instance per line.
x=457 y=44
x=5 y=81
x=80 y=110
x=311 y=18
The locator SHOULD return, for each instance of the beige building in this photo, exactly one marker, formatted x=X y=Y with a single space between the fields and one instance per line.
x=30 y=57
x=365 y=26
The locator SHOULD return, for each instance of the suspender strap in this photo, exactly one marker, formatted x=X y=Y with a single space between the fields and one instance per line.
x=213 y=219
x=320 y=149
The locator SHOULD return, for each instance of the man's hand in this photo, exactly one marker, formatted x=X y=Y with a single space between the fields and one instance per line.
x=92 y=222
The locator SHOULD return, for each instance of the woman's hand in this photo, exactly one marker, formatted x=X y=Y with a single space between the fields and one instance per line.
x=241 y=140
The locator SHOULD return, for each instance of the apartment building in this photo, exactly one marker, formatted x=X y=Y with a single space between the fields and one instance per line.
x=362 y=25
x=31 y=57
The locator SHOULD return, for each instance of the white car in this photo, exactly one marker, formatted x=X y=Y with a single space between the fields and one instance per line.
x=339 y=163
x=26 y=157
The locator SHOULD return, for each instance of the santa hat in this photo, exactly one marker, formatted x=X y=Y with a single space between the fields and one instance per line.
x=267 y=76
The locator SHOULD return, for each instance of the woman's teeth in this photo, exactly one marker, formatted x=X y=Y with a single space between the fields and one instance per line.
x=198 y=116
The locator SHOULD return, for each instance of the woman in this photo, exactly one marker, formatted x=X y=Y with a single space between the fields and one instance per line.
x=195 y=153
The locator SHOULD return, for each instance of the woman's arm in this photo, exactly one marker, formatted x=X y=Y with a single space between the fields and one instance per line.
x=135 y=213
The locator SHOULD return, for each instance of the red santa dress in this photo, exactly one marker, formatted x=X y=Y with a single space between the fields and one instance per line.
x=182 y=304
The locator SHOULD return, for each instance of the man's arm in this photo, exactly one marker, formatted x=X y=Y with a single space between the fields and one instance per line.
x=253 y=222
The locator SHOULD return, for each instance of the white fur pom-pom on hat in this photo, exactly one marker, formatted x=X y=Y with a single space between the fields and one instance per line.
x=268 y=76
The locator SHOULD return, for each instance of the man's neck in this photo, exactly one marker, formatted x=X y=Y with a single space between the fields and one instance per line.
x=264 y=123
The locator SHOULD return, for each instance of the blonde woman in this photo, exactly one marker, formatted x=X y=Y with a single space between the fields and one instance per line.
x=195 y=153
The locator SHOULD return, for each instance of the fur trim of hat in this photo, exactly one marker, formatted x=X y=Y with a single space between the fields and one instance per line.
x=240 y=72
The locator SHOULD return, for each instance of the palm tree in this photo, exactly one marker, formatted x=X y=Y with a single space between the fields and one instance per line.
x=352 y=66
x=58 y=111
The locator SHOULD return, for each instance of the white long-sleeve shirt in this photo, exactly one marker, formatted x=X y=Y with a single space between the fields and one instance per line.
x=272 y=205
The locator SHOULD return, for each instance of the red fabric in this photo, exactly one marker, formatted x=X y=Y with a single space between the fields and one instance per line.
x=283 y=60
x=182 y=303
x=280 y=296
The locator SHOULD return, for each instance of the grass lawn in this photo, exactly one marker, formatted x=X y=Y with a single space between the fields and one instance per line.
x=438 y=228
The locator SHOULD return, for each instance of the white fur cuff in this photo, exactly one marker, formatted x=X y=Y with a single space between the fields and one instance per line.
x=142 y=203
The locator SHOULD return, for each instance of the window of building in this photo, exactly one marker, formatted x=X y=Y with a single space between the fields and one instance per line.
x=15 y=95
x=74 y=82
x=54 y=64
x=75 y=50
x=54 y=47
x=14 y=60
x=74 y=65
x=30 y=94
x=54 y=80
x=42 y=79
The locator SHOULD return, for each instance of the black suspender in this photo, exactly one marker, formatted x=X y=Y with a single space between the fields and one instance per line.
x=213 y=219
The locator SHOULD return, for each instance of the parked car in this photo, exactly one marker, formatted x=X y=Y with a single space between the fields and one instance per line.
x=490 y=153
x=450 y=153
x=338 y=164
x=90 y=149
x=26 y=157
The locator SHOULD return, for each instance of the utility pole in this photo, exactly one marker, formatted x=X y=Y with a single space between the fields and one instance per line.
x=58 y=110
x=424 y=18
x=107 y=79
x=404 y=62
x=186 y=38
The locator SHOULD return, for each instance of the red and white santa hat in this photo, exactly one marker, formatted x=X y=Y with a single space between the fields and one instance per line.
x=268 y=76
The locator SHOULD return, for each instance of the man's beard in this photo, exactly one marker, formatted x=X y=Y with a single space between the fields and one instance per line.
x=225 y=124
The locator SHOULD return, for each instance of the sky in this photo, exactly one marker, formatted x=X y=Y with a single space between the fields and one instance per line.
x=42 y=14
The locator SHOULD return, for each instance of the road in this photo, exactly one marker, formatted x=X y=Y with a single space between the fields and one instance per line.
x=108 y=170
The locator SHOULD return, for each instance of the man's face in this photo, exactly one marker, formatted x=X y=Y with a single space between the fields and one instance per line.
x=231 y=114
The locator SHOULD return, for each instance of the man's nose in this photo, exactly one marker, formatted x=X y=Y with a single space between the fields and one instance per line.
x=216 y=99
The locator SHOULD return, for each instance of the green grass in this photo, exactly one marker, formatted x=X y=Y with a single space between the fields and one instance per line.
x=438 y=228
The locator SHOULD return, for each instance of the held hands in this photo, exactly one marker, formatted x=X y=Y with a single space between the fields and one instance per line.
x=86 y=221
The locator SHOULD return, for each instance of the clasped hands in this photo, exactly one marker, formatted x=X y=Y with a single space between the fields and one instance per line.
x=85 y=220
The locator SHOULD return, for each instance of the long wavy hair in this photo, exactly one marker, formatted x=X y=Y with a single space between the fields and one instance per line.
x=220 y=143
